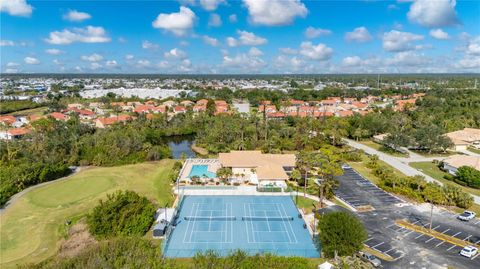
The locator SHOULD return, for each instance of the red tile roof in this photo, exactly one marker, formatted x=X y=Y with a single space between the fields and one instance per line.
x=112 y=120
x=8 y=119
x=58 y=116
x=18 y=131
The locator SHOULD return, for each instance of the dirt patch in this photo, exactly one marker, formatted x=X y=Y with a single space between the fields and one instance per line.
x=78 y=239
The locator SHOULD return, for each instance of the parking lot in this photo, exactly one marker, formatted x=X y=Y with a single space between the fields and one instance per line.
x=357 y=191
x=407 y=248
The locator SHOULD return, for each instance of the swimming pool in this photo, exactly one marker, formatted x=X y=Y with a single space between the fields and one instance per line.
x=254 y=224
x=201 y=171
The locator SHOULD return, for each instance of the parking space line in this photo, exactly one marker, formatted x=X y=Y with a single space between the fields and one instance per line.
x=436 y=227
x=477 y=242
x=475 y=256
x=429 y=239
x=378 y=244
x=409 y=233
x=419 y=236
x=451 y=247
x=467 y=237
x=439 y=244
x=389 y=250
x=445 y=231
x=456 y=234
x=368 y=239
x=477 y=222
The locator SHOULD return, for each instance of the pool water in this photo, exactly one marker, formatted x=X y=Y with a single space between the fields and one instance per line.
x=201 y=171
x=254 y=224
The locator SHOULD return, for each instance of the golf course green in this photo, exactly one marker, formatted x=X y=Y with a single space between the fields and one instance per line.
x=32 y=226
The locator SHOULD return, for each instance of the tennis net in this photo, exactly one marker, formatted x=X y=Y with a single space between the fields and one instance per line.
x=267 y=218
x=224 y=218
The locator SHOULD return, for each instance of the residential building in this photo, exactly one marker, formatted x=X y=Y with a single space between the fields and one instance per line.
x=452 y=163
x=462 y=139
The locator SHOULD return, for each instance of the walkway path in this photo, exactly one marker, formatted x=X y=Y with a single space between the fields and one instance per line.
x=401 y=163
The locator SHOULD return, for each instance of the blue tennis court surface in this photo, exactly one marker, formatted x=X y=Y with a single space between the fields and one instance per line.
x=254 y=224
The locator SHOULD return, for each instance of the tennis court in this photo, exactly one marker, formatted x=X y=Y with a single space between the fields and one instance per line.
x=254 y=224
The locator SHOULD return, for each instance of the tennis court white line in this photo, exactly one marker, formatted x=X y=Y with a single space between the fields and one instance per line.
x=188 y=225
x=291 y=228
x=246 y=223
x=251 y=223
x=284 y=225
x=193 y=224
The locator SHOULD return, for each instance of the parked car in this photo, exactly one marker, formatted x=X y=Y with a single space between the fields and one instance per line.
x=469 y=251
x=346 y=166
x=466 y=215
x=370 y=258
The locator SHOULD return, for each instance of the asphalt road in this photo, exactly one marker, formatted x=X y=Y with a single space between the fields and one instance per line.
x=401 y=163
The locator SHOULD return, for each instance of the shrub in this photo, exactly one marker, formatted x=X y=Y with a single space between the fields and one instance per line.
x=341 y=232
x=123 y=213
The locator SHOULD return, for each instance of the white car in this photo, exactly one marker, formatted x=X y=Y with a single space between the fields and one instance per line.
x=370 y=258
x=469 y=251
x=466 y=215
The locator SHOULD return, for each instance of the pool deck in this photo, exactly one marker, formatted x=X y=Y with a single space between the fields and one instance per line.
x=213 y=166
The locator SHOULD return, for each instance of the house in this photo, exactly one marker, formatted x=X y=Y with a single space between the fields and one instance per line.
x=452 y=163
x=179 y=109
x=7 y=120
x=143 y=109
x=258 y=168
x=14 y=133
x=462 y=139
x=186 y=103
x=202 y=102
x=401 y=105
x=169 y=103
x=59 y=116
x=344 y=113
x=77 y=106
x=199 y=108
x=105 y=122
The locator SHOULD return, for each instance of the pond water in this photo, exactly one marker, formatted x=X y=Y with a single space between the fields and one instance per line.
x=181 y=144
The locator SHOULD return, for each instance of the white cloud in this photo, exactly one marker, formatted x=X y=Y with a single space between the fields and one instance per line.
x=275 y=12
x=143 y=63
x=78 y=69
x=473 y=47
x=31 y=60
x=284 y=64
x=232 y=18
x=439 y=34
x=407 y=58
x=396 y=41
x=129 y=57
x=57 y=62
x=16 y=7
x=185 y=66
x=320 y=52
x=243 y=62
x=11 y=70
x=351 y=61
x=149 y=45
x=359 y=34
x=232 y=42
x=214 y=20
x=469 y=63
x=247 y=39
x=111 y=63
x=312 y=32
x=95 y=66
x=76 y=16
x=92 y=58
x=288 y=51
x=54 y=51
x=210 y=40
x=6 y=43
x=179 y=23
x=175 y=54
x=163 y=64
x=12 y=64
x=211 y=5
x=254 y=52
x=438 y=13
x=89 y=34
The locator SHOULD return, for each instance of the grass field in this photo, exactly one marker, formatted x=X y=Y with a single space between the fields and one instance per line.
x=306 y=203
x=27 y=112
x=361 y=168
x=370 y=143
x=432 y=170
x=30 y=229
x=474 y=150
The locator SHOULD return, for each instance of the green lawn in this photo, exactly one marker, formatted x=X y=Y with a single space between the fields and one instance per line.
x=306 y=204
x=30 y=229
x=432 y=170
x=361 y=168
x=474 y=150
x=28 y=112
x=425 y=153
x=370 y=143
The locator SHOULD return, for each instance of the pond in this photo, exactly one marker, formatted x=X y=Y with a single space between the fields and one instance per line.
x=181 y=144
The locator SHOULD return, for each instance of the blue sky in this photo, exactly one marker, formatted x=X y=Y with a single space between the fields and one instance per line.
x=248 y=36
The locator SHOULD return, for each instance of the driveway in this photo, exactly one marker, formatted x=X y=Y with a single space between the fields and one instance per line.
x=401 y=163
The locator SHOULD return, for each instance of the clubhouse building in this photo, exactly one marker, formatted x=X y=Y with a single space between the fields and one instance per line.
x=249 y=167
